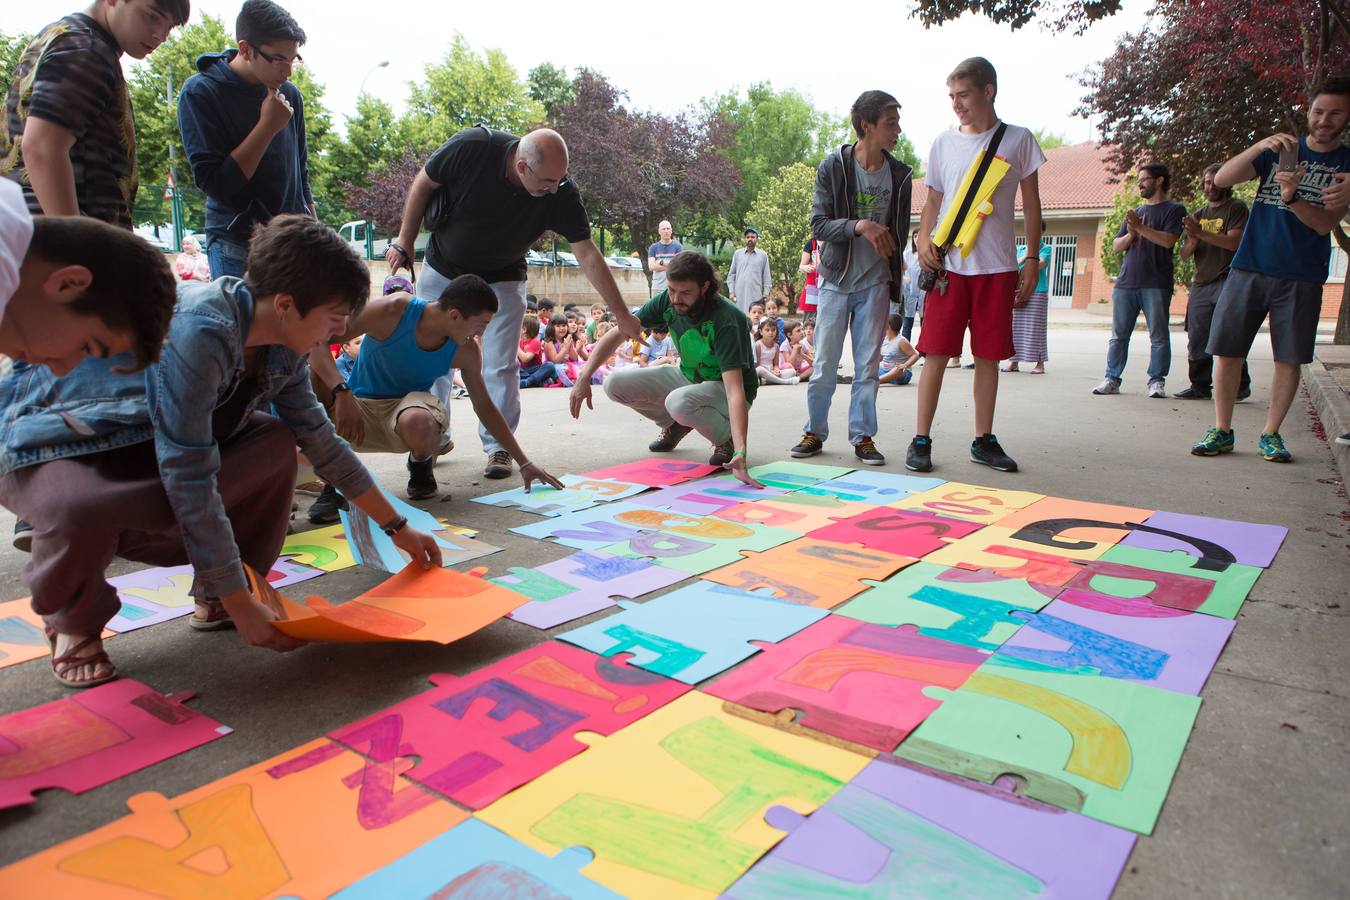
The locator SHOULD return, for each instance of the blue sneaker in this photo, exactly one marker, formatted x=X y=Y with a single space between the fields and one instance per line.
x=1215 y=441
x=1272 y=448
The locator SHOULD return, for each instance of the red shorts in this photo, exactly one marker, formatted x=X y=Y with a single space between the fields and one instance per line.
x=984 y=303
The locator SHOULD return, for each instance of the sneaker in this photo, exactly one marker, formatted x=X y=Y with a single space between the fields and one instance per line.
x=1343 y=439
x=324 y=511
x=498 y=465
x=867 y=453
x=919 y=457
x=670 y=438
x=809 y=445
x=421 y=478
x=721 y=454
x=1272 y=448
x=986 y=451
x=1193 y=393
x=1214 y=442
x=446 y=445
x=1108 y=386
x=23 y=536
x=1244 y=393
x=1157 y=389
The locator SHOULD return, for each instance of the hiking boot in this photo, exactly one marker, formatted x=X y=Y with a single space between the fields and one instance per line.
x=867 y=453
x=1244 y=393
x=23 y=536
x=669 y=438
x=1193 y=393
x=721 y=454
x=986 y=451
x=809 y=445
x=421 y=478
x=1157 y=389
x=1215 y=441
x=919 y=456
x=498 y=465
x=324 y=511
x=1108 y=386
x=1272 y=448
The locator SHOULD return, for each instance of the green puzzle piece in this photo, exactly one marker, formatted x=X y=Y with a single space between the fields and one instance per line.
x=695 y=549
x=1231 y=586
x=791 y=476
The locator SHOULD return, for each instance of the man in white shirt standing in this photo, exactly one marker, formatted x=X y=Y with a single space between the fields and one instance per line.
x=749 y=279
x=980 y=286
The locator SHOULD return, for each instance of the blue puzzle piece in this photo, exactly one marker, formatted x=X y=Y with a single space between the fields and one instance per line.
x=696 y=632
x=589 y=529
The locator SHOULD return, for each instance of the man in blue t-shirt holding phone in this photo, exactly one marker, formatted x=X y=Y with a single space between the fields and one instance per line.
x=1280 y=265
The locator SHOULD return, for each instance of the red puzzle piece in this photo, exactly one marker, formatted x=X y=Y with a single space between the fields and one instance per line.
x=900 y=531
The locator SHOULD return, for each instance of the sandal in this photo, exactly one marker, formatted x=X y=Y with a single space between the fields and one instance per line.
x=210 y=615
x=1010 y=367
x=61 y=665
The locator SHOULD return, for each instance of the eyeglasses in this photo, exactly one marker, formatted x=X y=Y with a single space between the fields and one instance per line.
x=555 y=181
x=277 y=58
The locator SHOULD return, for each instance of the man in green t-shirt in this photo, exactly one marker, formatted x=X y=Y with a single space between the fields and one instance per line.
x=712 y=388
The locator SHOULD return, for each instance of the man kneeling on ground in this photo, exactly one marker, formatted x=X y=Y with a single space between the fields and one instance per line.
x=711 y=389
x=182 y=463
x=387 y=405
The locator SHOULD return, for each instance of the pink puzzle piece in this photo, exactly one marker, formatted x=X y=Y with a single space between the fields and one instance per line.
x=483 y=735
x=94 y=737
x=857 y=682
x=655 y=472
x=900 y=531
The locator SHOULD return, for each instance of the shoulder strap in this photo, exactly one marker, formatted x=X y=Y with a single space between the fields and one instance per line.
x=989 y=151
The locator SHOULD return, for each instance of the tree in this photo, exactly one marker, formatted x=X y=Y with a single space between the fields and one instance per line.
x=1048 y=139
x=1057 y=14
x=380 y=200
x=373 y=141
x=1127 y=198
x=467 y=88
x=320 y=138
x=637 y=168
x=904 y=151
x=551 y=88
x=11 y=48
x=782 y=213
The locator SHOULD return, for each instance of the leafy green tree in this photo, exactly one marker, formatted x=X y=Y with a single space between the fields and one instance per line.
x=374 y=140
x=468 y=88
x=782 y=213
x=905 y=152
x=551 y=87
x=1048 y=139
x=320 y=139
x=11 y=48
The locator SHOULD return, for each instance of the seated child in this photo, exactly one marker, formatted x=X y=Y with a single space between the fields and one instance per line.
x=347 y=354
x=534 y=371
x=794 y=354
x=660 y=349
x=766 y=355
x=560 y=350
x=756 y=314
x=898 y=356
x=771 y=312
x=601 y=329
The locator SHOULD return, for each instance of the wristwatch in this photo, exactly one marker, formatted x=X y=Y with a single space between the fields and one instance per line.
x=392 y=527
x=341 y=387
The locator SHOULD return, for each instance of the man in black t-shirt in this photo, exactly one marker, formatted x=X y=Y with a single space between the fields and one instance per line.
x=490 y=196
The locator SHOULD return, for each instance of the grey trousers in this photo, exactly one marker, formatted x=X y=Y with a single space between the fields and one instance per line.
x=664 y=395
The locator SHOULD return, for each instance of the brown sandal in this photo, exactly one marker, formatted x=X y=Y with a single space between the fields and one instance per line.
x=215 y=619
x=61 y=665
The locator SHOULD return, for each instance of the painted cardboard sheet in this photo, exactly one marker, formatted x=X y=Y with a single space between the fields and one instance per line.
x=655 y=472
x=971 y=502
x=579 y=493
x=1248 y=543
x=900 y=531
x=811 y=572
x=583 y=583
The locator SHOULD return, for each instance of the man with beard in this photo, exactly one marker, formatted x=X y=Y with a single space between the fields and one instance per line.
x=1213 y=233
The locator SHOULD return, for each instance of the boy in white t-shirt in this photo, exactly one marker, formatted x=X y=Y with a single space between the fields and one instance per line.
x=981 y=286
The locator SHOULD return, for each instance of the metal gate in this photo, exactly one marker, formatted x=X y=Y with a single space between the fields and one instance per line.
x=1063 y=258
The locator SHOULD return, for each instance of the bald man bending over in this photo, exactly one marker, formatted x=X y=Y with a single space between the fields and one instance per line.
x=486 y=197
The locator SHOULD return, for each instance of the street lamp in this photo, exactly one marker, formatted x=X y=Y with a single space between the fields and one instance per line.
x=379 y=65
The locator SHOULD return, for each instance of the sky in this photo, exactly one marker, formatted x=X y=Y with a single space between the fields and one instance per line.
x=667 y=63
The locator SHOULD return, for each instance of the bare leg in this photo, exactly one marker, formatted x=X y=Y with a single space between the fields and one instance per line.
x=930 y=387
x=1282 y=390
x=1227 y=372
x=986 y=394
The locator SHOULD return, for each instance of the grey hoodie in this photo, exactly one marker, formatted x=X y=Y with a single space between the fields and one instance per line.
x=834 y=214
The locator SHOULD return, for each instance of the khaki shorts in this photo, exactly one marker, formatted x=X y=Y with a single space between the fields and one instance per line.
x=380 y=416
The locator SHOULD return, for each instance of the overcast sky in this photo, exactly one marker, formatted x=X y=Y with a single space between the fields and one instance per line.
x=667 y=62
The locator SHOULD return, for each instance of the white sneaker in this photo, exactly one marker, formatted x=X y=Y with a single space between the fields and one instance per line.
x=1108 y=386
x=1156 y=388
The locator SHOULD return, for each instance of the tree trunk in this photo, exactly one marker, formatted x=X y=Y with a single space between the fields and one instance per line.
x=1343 y=318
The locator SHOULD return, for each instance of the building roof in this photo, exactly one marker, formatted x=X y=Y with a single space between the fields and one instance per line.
x=1073 y=177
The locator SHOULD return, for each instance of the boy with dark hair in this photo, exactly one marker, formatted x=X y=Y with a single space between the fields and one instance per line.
x=386 y=406
x=181 y=463
x=68 y=136
x=243 y=127
x=72 y=286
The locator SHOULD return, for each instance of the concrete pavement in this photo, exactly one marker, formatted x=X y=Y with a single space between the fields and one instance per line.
x=1258 y=807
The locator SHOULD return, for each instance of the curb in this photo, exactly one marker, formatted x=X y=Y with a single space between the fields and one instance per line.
x=1333 y=406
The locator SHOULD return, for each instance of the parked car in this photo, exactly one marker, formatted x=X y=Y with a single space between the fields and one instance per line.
x=624 y=262
x=147 y=234
x=354 y=233
x=567 y=259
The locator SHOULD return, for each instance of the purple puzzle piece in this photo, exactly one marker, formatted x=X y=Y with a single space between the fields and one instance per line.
x=704 y=497
x=581 y=584
x=1251 y=544
x=1153 y=645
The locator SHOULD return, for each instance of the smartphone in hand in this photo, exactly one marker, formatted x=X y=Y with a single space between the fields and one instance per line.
x=1288 y=160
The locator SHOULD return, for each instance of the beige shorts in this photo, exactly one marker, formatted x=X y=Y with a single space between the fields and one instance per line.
x=380 y=416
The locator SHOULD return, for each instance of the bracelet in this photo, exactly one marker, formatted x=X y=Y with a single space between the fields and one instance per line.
x=391 y=528
x=340 y=388
x=401 y=251
x=737 y=453
x=525 y=465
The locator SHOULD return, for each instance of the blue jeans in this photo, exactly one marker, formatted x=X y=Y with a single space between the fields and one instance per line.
x=226 y=257
x=1126 y=306
x=864 y=314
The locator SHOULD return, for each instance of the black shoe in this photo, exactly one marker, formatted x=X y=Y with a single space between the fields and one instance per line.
x=721 y=454
x=669 y=438
x=868 y=454
x=843 y=379
x=23 y=536
x=1193 y=393
x=1244 y=393
x=986 y=451
x=421 y=478
x=324 y=511
x=809 y=445
x=919 y=456
x=499 y=465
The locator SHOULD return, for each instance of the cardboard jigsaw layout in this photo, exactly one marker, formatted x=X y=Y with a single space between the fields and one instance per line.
x=705 y=496
x=875 y=488
x=151 y=596
x=580 y=493
x=583 y=583
x=971 y=502
x=479 y=737
x=810 y=572
x=371 y=547
x=903 y=532
x=654 y=472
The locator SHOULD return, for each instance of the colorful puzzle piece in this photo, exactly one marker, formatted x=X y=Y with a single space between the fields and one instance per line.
x=94 y=737
x=591 y=529
x=810 y=572
x=155 y=595
x=672 y=805
x=580 y=493
x=693 y=544
x=971 y=502
x=578 y=585
x=705 y=496
x=1094 y=634
x=791 y=476
x=655 y=472
x=860 y=683
x=694 y=632
x=798 y=512
x=1247 y=543
x=902 y=830
x=1073 y=525
x=900 y=531
x=21 y=633
x=321 y=548
x=371 y=547
x=473 y=859
x=1100 y=746
x=481 y=736
x=302 y=824
x=999 y=550
x=875 y=488
x=1174 y=579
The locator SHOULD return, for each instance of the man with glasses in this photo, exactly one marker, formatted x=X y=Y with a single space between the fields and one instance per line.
x=243 y=126
x=486 y=197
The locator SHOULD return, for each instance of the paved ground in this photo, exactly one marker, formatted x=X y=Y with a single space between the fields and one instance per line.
x=1259 y=804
